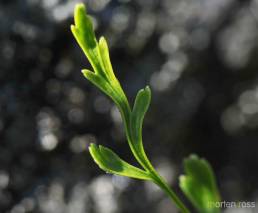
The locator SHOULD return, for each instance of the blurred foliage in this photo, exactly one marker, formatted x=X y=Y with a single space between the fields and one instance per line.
x=199 y=58
x=199 y=185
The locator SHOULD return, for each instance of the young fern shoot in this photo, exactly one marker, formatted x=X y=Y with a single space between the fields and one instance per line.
x=104 y=78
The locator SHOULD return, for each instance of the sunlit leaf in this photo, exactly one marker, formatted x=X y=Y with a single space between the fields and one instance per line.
x=103 y=85
x=112 y=163
x=85 y=36
x=141 y=105
x=104 y=52
x=98 y=55
x=199 y=184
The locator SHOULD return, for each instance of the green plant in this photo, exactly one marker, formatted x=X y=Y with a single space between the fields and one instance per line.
x=198 y=184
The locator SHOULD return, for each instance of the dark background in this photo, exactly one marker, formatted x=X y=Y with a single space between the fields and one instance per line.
x=198 y=56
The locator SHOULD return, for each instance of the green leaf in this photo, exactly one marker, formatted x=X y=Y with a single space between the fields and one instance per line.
x=112 y=163
x=141 y=105
x=120 y=95
x=99 y=82
x=104 y=52
x=85 y=36
x=109 y=90
x=199 y=185
x=98 y=55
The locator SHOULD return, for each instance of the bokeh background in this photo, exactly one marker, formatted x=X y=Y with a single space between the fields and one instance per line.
x=198 y=56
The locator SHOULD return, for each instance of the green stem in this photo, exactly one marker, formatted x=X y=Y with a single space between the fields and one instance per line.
x=160 y=181
x=157 y=179
x=166 y=188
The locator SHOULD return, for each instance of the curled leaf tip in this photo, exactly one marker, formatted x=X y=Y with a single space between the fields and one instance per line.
x=80 y=15
x=74 y=30
x=86 y=72
x=148 y=90
x=92 y=146
x=102 y=39
x=79 y=8
x=147 y=87
x=144 y=91
x=193 y=156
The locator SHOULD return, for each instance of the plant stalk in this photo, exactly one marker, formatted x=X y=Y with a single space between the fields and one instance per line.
x=166 y=188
